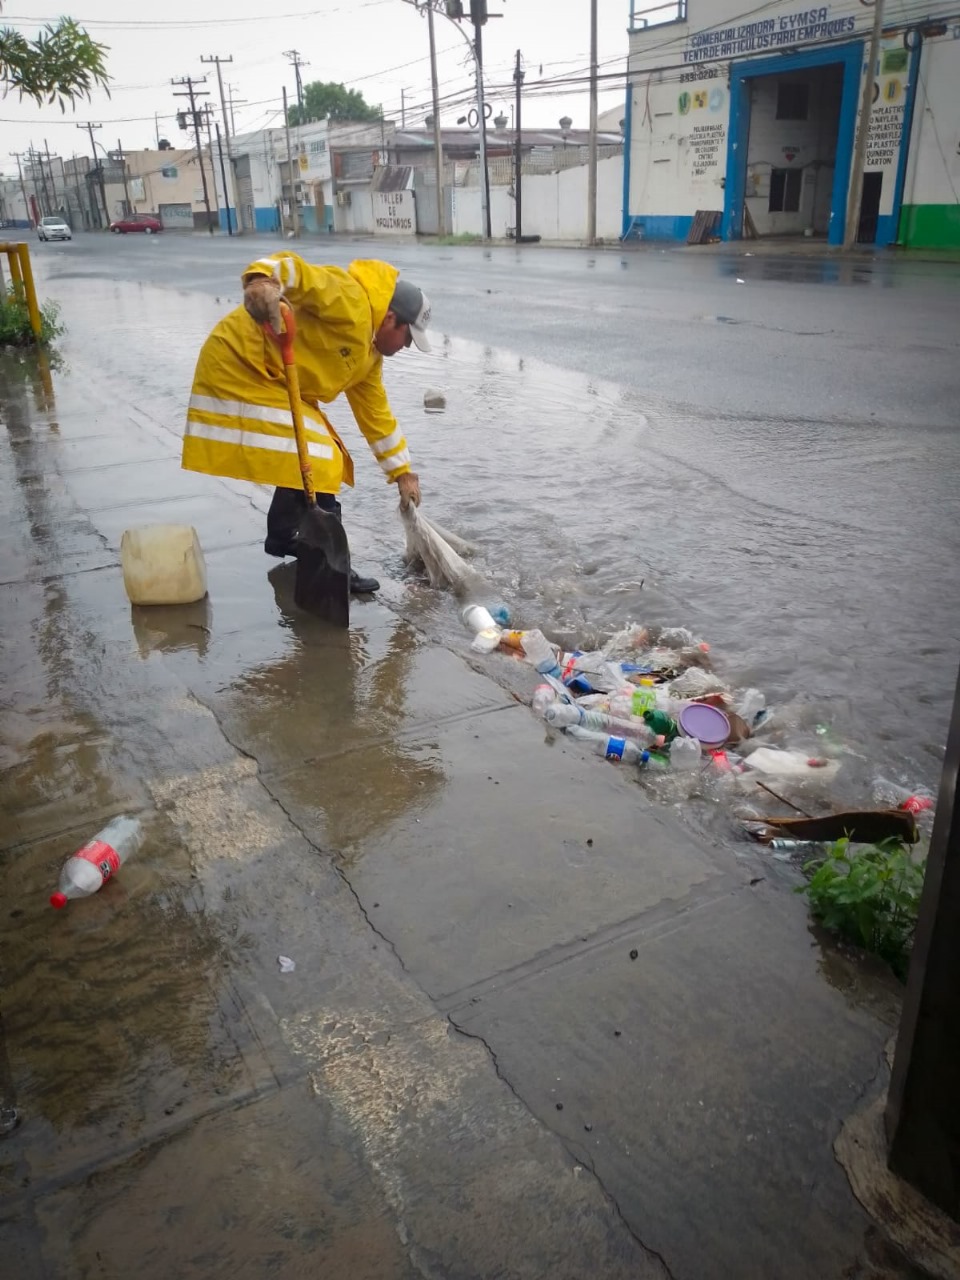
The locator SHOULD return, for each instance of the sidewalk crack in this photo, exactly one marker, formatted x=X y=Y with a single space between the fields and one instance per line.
x=576 y=1155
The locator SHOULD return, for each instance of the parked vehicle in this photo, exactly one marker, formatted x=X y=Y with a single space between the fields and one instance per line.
x=54 y=228
x=136 y=222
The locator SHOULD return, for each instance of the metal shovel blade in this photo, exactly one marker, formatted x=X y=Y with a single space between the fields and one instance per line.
x=323 y=568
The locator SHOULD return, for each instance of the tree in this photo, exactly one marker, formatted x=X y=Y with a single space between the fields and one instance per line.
x=60 y=65
x=327 y=100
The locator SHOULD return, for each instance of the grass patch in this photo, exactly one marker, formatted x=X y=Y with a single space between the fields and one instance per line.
x=15 y=329
x=870 y=897
x=465 y=237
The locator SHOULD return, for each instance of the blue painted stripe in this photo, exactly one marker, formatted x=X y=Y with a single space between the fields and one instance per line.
x=850 y=55
x=660 y=226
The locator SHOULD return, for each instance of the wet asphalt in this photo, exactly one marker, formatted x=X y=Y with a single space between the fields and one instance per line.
x=537 y=1025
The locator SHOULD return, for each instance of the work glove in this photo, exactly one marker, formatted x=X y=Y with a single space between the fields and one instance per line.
x=409 y=486
x=261 y=297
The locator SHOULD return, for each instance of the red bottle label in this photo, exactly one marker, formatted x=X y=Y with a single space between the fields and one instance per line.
x=102 y=856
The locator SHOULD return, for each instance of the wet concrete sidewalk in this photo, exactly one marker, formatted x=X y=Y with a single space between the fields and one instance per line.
x=534 y=1028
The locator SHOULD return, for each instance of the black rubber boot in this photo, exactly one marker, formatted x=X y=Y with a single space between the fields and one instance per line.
x=362 y=586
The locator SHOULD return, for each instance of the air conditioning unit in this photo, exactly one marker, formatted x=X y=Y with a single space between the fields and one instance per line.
x=343 y=199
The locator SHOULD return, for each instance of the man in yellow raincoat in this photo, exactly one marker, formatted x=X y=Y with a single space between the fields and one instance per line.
x=238 y=420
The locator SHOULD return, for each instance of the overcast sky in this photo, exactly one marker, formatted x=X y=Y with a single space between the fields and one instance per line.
x=377 y=46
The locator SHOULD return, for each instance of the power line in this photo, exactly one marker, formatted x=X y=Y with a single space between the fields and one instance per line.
x=122 y=24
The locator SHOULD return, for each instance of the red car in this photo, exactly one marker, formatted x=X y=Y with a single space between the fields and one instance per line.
x=136 y=222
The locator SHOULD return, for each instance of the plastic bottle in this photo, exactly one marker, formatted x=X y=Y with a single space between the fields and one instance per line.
x=751 y=703
x=660 y=723
x=685 y=754
x=615 y=749
x=544 y=697
x=632 y=701
x=892 y=794
x=86 y=871
x=562 y=715
x=541 y=654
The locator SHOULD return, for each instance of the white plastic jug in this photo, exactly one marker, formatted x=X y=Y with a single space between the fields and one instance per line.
x=163 y=564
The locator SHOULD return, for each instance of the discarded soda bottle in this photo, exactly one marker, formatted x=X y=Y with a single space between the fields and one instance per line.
x=915 y=801
x=614 y=749
x=660 y=722
x=541 y=654
x=89 y=868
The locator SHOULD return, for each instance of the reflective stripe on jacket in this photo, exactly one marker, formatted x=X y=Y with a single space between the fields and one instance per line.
x=238 y=419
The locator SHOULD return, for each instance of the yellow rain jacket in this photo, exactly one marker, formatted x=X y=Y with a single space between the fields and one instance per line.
x=238 y=420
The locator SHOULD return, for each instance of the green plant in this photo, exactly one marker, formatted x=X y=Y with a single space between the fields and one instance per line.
x=62 y=64
x=15 y=327
x=465 y=237
x=870 y=896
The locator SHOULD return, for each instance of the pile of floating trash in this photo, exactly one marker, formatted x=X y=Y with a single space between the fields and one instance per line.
x=650 y=698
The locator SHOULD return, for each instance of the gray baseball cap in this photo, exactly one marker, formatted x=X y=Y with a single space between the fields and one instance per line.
x=412 y=306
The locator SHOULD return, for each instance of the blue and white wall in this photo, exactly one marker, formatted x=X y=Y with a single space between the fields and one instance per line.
x=702 y=130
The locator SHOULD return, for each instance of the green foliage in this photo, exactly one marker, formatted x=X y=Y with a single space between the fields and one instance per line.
x=869 y=896
x=60 y=65
x=327 y=100
x=15 y=330
x=465 y=237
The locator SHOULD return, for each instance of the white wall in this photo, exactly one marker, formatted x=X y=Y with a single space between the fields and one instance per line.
x=467 y=213
x=357 y=216
x=555 y=204
x=933 y=170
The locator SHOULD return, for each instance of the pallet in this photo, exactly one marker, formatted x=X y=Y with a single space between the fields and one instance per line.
x=705 y=225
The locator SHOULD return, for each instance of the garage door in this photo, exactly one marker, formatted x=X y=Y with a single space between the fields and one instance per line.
x=176 y=217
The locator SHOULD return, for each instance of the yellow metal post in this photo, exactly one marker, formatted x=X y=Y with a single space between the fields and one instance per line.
x=13 y=260
x=33 y=307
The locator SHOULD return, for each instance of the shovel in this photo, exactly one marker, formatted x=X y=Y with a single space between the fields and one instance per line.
x=323 y=553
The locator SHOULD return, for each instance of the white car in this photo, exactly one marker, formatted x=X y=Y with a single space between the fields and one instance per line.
x=54 y=229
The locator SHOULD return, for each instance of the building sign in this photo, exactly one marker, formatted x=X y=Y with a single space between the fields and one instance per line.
x=783 y=31
x=708 y=144
x=393 y=213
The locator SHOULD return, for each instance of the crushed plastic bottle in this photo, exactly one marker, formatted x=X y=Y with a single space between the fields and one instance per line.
x=87 y=870
x=685 y=754
x=662 y=724
x=544 y=697
x=615 y=749
x=751 y=703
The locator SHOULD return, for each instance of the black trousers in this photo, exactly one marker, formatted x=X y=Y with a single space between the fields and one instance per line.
x=287 y=509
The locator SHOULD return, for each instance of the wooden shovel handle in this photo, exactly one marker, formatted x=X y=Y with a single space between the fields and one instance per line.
x=284 y=341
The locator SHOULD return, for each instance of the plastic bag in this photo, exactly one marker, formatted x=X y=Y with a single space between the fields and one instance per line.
x=431 y=547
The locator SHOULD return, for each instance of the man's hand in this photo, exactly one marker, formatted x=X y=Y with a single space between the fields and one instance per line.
x=261 y=297
x=409 y=486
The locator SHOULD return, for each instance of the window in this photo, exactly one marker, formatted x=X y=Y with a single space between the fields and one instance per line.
x=785 y=190
x=318 y=147
x=169 y=172
x=793 y=100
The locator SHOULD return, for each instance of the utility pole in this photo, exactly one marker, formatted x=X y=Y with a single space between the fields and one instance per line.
x=226 y=133
x=294 y=56
x=437 y=135
x=240 y=102
x=294 y=211
x=855 y=198
x=223 y=174
x=99 y=168
x=403 y=108
x=123 y=174
x=36 y=162
x=156 y=127
x=53 y=180
x=478 y=16
x=192 y=94
x=592 y=149
x=23 y=186
x=517 y=155
x=78 y=191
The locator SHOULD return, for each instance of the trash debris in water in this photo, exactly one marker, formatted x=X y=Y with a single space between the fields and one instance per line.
x=88 y=870
x=286 y=964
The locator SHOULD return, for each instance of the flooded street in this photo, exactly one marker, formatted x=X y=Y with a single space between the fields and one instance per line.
x=535 y=1012
x=769 y=446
